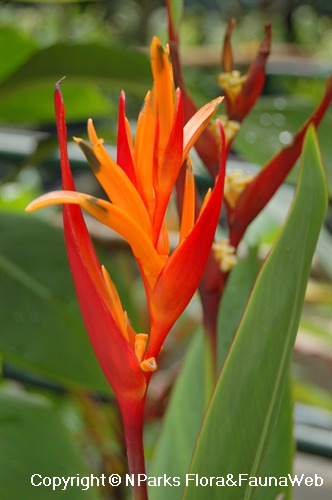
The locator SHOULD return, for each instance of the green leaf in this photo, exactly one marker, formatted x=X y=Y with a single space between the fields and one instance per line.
x=35 y=441
x=181 y=424
x=238 y=425
x=42 y=329
x=234 y=300
x=34 y=103
x=115 y=66
x=83 y=65
x=16 y=48
x=279 y=459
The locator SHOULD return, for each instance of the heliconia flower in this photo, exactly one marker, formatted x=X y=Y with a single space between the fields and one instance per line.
x=139 y=185
x=245 y=195
x=242 y=91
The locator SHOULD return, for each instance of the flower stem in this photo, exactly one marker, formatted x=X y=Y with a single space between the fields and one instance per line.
x=133 y=430
x=210 y=301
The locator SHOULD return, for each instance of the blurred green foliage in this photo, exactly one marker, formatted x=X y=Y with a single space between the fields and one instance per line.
x=134 y=21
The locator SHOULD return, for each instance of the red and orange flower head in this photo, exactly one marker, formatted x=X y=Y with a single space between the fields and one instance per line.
x=139 y=186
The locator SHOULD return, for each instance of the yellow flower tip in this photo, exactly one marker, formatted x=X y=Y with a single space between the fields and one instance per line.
x=224 y=254
x=141 y=340
x=235 y=184
x=232 y=82
x=231 y=128
x=149 y=365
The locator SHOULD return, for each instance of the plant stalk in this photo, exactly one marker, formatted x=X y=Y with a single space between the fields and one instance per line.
x=133 y=430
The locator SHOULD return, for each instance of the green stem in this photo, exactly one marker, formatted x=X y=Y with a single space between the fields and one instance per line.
x=133 y=430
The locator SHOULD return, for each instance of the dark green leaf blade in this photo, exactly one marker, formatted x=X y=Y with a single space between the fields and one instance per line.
x=33 y=104
x=237 y=428
x=42 y=330
x=92 y=72
x=180 y=427
x=110 y=65
x=279 y=458
x=16 y=48
x=234 y=300
x=35 y=441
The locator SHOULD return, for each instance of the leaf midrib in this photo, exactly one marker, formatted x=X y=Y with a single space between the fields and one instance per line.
x=24 y=279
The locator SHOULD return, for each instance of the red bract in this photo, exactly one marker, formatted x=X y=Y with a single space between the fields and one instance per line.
x=115 y=355
x=251 y=194
x=263 y=186
x=242 y=93
x=120 y=365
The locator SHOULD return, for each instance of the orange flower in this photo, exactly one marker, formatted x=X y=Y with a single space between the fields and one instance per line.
x=139 y=187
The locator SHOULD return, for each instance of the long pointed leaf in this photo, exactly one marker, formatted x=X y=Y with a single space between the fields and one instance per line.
x=180 y=427
x=243 y=410
x=34 y=444
x=279 y=459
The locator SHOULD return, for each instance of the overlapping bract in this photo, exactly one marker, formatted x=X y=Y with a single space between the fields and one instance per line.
x=139 y=185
